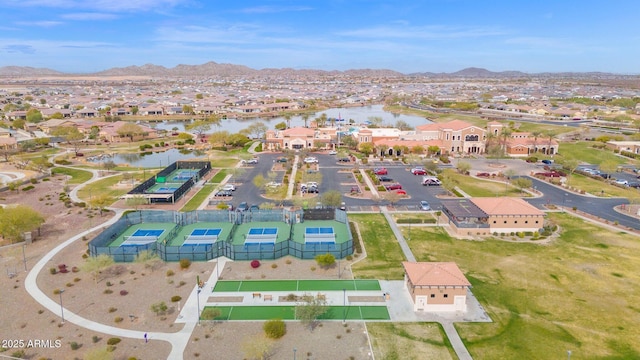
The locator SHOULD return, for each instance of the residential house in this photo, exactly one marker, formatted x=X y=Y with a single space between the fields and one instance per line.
x=627 y=146
x=436 y=286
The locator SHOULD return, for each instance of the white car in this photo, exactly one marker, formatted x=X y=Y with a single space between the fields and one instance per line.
x=229 y=187
x=622 y=182
x=273 y=184
x=310 y=160
x=333 y=152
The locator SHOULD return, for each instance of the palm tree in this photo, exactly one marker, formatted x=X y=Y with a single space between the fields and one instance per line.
x=305 y=118
x=550 y=135
x=536 y=135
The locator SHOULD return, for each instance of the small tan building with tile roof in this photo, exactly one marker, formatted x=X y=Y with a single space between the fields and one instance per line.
x=486 y=216
x=436 y=286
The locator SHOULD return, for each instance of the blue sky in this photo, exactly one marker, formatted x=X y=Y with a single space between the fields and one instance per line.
x=406 y=36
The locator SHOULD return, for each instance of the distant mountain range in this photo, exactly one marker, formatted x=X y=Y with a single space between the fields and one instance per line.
x=230 y=70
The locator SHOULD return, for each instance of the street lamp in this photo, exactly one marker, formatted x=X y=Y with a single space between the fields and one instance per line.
x=61 y=308
x=294 y=353
x=568 y=354
x=344 y=305
x=198 y=300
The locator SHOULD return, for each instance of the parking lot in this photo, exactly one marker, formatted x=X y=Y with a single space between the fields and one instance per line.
x=334 y=175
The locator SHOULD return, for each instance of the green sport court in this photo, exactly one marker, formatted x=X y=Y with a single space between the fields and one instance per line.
x=353 y=313
x=296 y=285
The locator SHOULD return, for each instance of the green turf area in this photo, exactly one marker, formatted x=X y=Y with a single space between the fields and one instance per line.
x=289 y=313
x=384 y=256
x=479 y=188
x=77 y=176
x=198 y=198
x=574 y=292
x=296 y=285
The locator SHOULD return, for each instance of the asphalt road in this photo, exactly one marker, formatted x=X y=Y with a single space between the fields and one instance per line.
x=333 y=179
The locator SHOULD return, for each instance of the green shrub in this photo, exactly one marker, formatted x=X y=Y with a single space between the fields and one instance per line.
x=27 y=188
x=185 y=263
x=74 y=345
x=113 y=341
x=275 y=329
x=170 y=272
x=118 y=319
x=176 y=298
x=210 y=313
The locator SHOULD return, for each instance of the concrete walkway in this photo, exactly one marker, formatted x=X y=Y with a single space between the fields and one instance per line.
x=447 y=323
x=178 y=340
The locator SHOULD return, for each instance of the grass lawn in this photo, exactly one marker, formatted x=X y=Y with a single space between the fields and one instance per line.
x=224 y=162
x=103 y=187
x=601 y=188
x=578 y=293
x=584 y=151
x=409 y=341
x=77 y=176
x=483 y=188
x=198 y=198
x=384 y=256
x=219 y=176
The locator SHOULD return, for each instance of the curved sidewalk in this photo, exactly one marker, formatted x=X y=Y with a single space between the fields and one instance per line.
x=178 y=340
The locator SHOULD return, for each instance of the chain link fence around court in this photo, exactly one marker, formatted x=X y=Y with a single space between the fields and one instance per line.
x=103 y=243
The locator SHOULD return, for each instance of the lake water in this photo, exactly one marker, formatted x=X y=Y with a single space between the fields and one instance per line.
x=357 y=114
x=153 y=160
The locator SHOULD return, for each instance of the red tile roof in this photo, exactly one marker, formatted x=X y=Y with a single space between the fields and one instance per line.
x=435 y=274
x=506 y=206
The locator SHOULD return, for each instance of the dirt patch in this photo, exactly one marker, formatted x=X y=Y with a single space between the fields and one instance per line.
x=122 y=297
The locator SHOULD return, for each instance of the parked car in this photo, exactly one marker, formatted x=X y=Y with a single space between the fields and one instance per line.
x=634 y=185
x=395 y=186
x=355 y=189
x=333 y=152
x=273 y=184
x=344 y=159
x=310 y=160
x=483 y=174
x=622 y=182
x=547 y=162
x=281 y=160
x=401 y=192
x=418 y=171
x=243 y=206
x=424 y=206
x=431 y=181
x=313 y=189
x=229 y=187
x=224 y=193
x=250 y=161
x=384 y=179
x=254 y=207
x=380 y=171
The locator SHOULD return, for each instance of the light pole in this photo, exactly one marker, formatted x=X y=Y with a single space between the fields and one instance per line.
x=61 y=307
x=344 y=305
x=198 y=300
x=24 y=257
x=294 y=353
x=568 y=354
x=338 y=269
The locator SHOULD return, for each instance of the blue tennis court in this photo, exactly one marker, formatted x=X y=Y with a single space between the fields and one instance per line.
x=205 y=232
x=185 y=175
x=144 y=232
x=261 y=236
x=165 y=189
x=263 y=231
x=318 y=230
x=142 y=237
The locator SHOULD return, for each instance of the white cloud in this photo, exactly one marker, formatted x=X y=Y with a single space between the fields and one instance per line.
x=422 y=32
x=89 y=16
x=274 y=9
x=101 y=5
x=44 y=23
